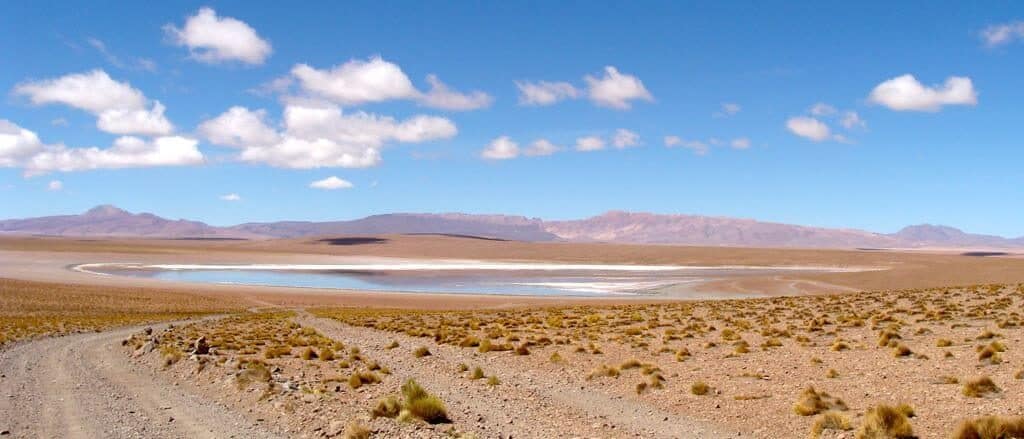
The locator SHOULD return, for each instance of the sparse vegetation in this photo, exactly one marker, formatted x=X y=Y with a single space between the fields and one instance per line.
x=886 y=422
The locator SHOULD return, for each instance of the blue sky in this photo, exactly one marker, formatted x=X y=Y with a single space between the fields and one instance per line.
x=715 y=106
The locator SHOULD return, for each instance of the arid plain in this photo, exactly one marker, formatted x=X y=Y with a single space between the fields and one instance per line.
x=925 y=344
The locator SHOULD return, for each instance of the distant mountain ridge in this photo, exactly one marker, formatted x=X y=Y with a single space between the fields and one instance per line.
x=614 y=226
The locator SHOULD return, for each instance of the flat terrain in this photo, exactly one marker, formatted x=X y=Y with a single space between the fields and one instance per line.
x=926 y=333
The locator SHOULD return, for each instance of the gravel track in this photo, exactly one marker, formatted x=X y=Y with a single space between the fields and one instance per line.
x=82 y=386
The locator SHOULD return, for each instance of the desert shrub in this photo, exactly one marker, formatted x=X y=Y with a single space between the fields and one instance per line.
x=700 y=388
x=830 y=421
x=943 y=342
x=604 y=371
x=423 y=405
x=387 y=408
x=979 y=387
x=991 y=427
x=326 y=354
x=493 y=380
x=355 y=430
x=477 y=373
x=886 y=422
x=421 y=352
x=811 y=402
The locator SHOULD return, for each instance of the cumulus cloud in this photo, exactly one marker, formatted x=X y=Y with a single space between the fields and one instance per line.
x=16 y=144
x=809 y=128
x=21 y=148
x=213 y=39
x=589 y=143
x=542 y=93
x=146 y=122
x=1003 y=33
x=541 y=147
x=93 y=91
x=357 y=82
x=231 y=197
x=239 y=127
x=54 y=185
x=905 y=93
x=624 y=138
x=320 y=136
x=442 y=97
x=331 y=183
x=376 y=80
x=126 y=152
x=502 y=148
x=698 y=147
x=615 y=89
x=119 y=107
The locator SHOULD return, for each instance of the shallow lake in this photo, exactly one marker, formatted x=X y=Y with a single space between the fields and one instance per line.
x=529 y=279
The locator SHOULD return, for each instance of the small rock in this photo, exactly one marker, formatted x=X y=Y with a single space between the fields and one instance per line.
x=200 y=347
x=334 y=428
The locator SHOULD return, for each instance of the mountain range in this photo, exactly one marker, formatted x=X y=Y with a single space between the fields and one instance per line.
x=615 y=226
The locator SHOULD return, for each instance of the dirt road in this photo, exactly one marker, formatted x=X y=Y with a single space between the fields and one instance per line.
x=82 y=386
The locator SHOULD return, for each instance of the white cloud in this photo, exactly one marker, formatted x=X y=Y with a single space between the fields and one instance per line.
x=823 y=109
x=589 y=143
x=231 y=197
x=740 y=143
x=545 y=93
x=541 y=147
x=21 y=148
x=905 y=93
x=443 y=97
x=119 y=107
x=16 y=144
x=809 y=127
x=93 y=91
x=54 y=185
x=213 y=39
x=616 y=90
x=698 y=147
x=146 y=122
x=851 y=120
x=1000 y=34
x=502 y=148
x=624 y=138
x=331 y=183
x=127 y=152
x=728 y=109
x=320 y=136
x=357 y=82
x=239 y=127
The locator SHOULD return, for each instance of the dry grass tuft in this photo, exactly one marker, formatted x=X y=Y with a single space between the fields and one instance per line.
x=421 y=352
x=812 y=402
x=979 y=387
x=423 y=405
x=356 y=430
x=886 y=422
x=830 y=421
x=700 y=388
x=991 y=427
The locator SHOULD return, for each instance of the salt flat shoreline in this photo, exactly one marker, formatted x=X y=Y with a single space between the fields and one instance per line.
x=48 y=259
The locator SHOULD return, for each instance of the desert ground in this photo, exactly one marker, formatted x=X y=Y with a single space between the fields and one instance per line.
x=926 y=345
